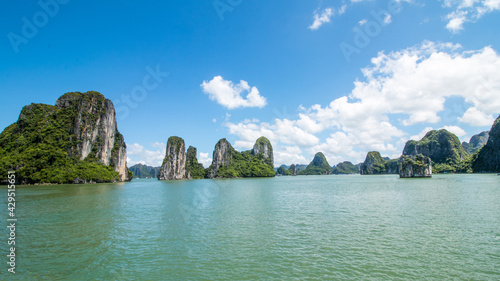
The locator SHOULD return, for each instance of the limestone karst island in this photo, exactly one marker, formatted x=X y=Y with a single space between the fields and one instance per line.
x=77 y=141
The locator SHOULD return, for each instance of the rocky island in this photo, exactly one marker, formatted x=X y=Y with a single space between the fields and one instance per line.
x=318 y=166
x=417 y=166
x=74 y=141
x=227 y=162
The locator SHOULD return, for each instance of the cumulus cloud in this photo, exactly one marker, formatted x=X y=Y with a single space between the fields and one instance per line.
x=397 y=91
x=459 y=132
x=137 y=154
x=467 y=11
x=204 y=159
x=321 y=18
x=477 y=118
x=229 y=95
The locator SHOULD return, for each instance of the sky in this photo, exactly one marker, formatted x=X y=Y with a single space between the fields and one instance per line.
x=340 y=77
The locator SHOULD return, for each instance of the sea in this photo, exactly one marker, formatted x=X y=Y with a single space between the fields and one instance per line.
x=338 y=227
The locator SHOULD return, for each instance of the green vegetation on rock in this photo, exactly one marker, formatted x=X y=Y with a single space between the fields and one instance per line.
x=43 y=145
x=318 y=166
x=193 y=167
x=487 y=159
x=443 y=147
x=229 y=163
x=345 y=168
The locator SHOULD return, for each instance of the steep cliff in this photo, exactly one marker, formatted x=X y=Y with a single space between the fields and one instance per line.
x=194 y=169
x=174 y=163
x=229 y=163
x=443 y=147
x=293 y=170
x=476 y=142
x=76 y=141
x=376 y=165
x=222 y=156
x=418 y=166
x=487 y=159
x=318 y=166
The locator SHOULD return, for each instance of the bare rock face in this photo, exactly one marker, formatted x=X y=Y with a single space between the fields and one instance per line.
x=263 y=146
x=418 y=166
x=222 y=156
x=174 y=164
x=94 y=132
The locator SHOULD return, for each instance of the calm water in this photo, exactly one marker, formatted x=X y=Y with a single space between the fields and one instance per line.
x=315 y=228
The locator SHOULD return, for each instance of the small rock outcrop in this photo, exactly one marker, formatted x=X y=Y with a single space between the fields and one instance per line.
x=417 y=166
x=318 y=166
x=487 y=159
x=174 y=163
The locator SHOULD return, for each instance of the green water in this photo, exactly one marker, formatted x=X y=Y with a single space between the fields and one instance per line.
x=284 y=228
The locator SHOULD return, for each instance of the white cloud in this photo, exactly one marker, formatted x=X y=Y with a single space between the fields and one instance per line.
x=288 y=155
x=320 y=19
x=467 y=11
x=362 y=22
x=136 y=154
x=204 y=159
x=456 y=21
x=227 y=94
x=459 y=132
x=397 y=90
x=342 y=9
x=420 y=135
x=477 y=118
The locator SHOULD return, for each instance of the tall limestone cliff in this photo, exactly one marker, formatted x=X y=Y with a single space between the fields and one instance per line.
x=222 y=156
x=94 y=130
x=293 y=170
x=487 y=159
x=194 y=169
x=263 y=146
x=318 y=166
x=179 y=165
x=229 y=163
x=443 y=147
x=174 y=163
x=76 y=141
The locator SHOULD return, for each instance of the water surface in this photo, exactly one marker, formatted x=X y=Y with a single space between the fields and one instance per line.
x=306 y=227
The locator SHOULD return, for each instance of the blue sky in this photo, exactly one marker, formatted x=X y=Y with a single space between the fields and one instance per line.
x=341 y=77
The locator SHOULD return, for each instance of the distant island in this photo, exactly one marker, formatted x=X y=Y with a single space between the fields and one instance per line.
x=141 y=171
x=77 y=141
